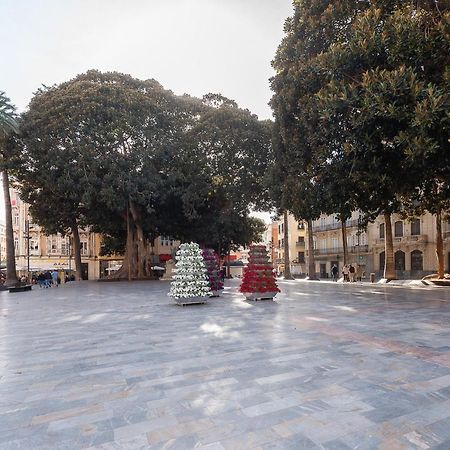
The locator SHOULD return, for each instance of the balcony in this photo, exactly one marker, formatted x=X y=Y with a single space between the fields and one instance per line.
x=417 y=238
x=340 y=251
x=405 y=239
x=335 y=226
x=300 y=243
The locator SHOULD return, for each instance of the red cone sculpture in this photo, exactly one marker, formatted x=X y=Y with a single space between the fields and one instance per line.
x=258 y=281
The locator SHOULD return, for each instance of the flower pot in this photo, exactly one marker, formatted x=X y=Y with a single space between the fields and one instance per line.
x=254 y=296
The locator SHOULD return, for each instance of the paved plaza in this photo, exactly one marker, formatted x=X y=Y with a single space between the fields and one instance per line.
x=327 y=366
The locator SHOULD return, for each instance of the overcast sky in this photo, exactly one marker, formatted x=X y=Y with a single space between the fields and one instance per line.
x=189 y=46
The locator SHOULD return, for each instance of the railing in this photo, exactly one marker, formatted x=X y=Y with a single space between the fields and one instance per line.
x=340 y=250
x=335 y=226
x=300 y=243
x=405 y=239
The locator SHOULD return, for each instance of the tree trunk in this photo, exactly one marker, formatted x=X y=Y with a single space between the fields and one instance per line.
x=287 y=259
x=11 y=275
x=311 y=260
x=389 y=266
x=439 y=246
x=76 y=251
x=136 y=262
x=344 y=240
x=228 y=266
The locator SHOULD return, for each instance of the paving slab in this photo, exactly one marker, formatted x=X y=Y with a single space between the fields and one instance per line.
x=329 y=366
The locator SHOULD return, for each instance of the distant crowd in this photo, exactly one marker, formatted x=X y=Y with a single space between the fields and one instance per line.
x=350 y=273
x=49 y=279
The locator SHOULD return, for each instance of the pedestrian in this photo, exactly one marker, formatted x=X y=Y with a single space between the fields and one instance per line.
x=55 y=278
x=334 y=272
x=351 y=271
x=47 y=279
x=40 y=279
x=359 y=273
x=345 y=272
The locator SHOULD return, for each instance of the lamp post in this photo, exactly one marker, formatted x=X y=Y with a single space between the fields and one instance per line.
x=27 y=237
x=69 y=255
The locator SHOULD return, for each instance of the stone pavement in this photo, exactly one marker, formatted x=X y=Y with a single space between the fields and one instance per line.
x=327 y=366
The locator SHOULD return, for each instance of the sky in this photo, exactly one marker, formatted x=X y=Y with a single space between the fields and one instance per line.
x=189 y=46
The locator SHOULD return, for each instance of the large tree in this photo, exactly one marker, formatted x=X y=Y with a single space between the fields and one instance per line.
x=388 y=96
x=100 y=145
x=313 y=28
x=8 y=126
x=365 y=61
x=130 y=158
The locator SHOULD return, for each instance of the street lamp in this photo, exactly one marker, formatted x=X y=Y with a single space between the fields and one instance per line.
x=69 y=254
x=27 y=237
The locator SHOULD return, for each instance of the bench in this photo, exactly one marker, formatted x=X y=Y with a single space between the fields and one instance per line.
x=25 y=287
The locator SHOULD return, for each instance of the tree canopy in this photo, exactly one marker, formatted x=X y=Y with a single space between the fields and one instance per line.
x=360 y=96
x=129 y=158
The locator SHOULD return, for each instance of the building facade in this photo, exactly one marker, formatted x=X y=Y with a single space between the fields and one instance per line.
x=414 y=245
x=297 y=246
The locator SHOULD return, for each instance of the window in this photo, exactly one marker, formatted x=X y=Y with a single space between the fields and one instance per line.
x=363 y=238
x=398 y=229
x=64 y=247
x=381 y=230
x=399 y=258
x=417 y=260
x=84 y=247
x=415 y=228
x=301 y=257
x=166 y=240
x=52 y=245
x=382 y=260
x=34 y=247
x=301 y=239
x=16 y=219
x=16 y=244
x=334 y=243
x=322 y=222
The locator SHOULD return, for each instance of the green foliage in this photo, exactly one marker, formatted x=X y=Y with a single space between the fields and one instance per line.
x=103 y=144
x=361 y=99
x=9 y=128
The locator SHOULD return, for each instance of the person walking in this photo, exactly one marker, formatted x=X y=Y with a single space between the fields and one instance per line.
x=359 y=273
x=334 y=272
x=55 y=278
x=351 y=271
x=345 y=272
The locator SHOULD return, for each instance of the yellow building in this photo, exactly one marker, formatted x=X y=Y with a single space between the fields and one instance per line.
x=414 y=245
x=297 y=243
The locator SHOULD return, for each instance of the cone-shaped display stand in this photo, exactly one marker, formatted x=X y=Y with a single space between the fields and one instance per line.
x=212 y=268
x=258 y=281
x=190 y=283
